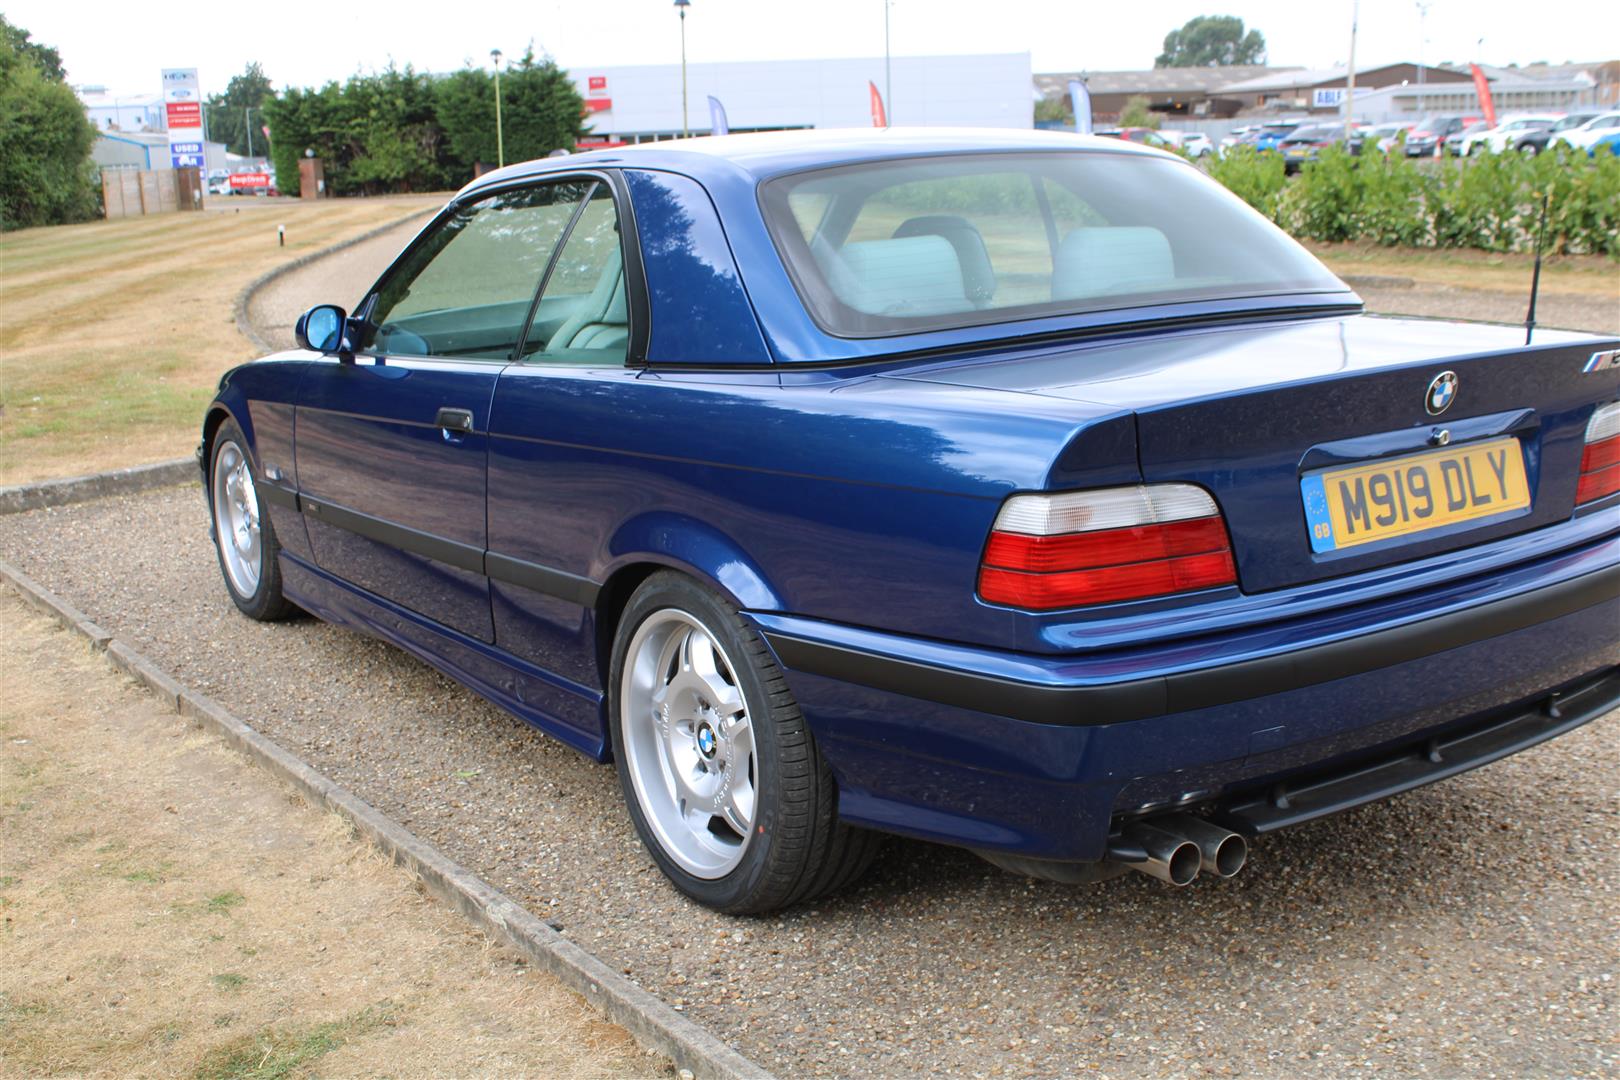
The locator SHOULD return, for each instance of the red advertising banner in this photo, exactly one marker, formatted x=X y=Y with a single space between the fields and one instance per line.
x=1482 y=87
x=597 y=84
x=248 y=181
x=880 y=118
x=598 y=104
x=184 y=114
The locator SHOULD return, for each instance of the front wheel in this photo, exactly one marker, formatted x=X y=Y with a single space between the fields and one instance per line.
x=722 y=779
x=244 y=539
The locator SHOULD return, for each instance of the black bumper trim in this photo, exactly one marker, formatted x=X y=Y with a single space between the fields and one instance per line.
x=1295 y=800
x=1141 y=699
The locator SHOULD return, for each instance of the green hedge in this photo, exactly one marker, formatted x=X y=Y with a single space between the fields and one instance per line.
x=1492 y=201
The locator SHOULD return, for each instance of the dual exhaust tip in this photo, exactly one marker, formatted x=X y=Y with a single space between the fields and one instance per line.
x=1177 y=847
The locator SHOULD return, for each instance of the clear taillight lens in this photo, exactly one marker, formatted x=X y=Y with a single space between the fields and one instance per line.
x=1101 y=547
x=1600 y=461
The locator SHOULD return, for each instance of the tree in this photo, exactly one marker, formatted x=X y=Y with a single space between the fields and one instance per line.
x=540 y=111
x=46 y=177
x=229 y=119
x=1137 y=113
x=1055 y=108
x=1209 y=40
x=47 y=59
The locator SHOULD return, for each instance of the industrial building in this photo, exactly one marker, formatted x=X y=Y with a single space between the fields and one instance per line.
x=639 y=103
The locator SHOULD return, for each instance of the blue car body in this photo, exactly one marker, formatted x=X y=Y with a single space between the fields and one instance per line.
x=839 y=491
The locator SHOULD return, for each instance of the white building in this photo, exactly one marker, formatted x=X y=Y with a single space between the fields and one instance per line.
x=122 y=112
x=642 y=102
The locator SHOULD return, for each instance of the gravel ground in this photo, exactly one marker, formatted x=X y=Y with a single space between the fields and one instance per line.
x=1465 y=929
x=1568 y=311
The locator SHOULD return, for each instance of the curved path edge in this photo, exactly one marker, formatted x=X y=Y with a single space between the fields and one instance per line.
x=244 y=299
x=651 y=1022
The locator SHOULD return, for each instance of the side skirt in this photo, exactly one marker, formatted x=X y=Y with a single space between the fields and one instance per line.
x=563 y=709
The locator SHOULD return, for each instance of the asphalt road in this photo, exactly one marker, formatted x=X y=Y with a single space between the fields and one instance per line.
x=1468 y=928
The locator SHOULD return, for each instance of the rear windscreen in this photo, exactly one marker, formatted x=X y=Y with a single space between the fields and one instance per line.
x=924 y=243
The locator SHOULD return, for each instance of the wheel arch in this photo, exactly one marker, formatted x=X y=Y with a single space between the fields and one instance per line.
x=665 y=541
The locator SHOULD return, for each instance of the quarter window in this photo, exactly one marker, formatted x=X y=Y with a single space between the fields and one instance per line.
x=583 y=316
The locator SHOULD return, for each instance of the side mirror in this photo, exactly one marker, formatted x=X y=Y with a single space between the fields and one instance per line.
x=320 y=329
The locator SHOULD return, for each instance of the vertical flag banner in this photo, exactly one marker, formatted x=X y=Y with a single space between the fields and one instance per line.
x=879 y=117
x=1482 y=87
x=1080 y=98
x=717 y=117
x=182 y=107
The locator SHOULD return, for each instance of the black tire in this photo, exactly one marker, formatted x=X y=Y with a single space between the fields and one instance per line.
x=799 y=850
x=266 y=602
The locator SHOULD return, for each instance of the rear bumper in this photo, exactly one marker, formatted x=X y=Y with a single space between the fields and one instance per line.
x=1041 y=756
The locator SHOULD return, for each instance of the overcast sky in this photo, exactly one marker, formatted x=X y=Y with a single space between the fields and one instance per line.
x=123 y=45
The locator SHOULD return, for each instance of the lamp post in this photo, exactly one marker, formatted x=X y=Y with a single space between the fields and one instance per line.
x=686 y=127
x=888 y=88
x=500 y=136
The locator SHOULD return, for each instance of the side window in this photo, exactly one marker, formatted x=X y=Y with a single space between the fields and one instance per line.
x=583 y=317
x=465 y=291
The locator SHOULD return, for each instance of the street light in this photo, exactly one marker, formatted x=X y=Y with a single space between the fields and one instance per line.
x=500 y=136
x=686 y=127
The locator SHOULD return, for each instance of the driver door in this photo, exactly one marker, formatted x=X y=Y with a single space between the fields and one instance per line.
x=392 y=446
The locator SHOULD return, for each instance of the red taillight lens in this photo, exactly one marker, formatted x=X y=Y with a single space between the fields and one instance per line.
x=1100 y=547
x=1600 y=461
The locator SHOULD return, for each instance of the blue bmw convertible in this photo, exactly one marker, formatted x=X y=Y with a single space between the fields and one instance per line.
x=1020 y=491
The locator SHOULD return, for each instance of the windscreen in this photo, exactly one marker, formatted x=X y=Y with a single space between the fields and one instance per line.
x=916 y=244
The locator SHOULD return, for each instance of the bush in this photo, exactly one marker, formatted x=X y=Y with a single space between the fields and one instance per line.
x=1489 y=201
x=46 y=177
x=1257 y=179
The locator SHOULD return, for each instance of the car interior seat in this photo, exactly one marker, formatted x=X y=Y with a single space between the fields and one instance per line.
x=978 y=276
x=602 y=320
x=1100 y=260
x=913 y=275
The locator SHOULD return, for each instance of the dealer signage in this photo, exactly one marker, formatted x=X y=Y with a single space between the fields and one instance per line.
x=182 y=106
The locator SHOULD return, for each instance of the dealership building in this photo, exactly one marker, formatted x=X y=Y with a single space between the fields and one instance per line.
x=641 y=103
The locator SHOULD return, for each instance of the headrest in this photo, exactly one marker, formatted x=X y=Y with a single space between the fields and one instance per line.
x=1098 y=261
x=977 y=274
x=915 y=275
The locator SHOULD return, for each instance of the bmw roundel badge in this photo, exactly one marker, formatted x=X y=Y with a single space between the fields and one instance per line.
x=1442 y=391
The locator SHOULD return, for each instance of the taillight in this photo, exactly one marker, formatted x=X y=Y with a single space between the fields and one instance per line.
x=1600 y=461
x=1105 y=546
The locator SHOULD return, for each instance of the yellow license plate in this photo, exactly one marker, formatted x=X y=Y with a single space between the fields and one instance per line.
x=1406 y=495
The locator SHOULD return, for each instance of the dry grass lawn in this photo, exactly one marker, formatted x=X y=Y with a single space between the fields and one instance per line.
x=169 y=910
x=113 y=334
x=1593 y=276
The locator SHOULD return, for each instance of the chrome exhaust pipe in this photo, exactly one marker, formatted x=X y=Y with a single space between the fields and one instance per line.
x=1222 y=852
x=1158 y=853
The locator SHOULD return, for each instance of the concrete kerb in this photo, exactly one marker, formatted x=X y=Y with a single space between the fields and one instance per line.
x=23 y=497
x=244 y=325
x=653 y=1024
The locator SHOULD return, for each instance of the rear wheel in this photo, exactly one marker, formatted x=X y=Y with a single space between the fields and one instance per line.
x=244 y=538
x=720 y=774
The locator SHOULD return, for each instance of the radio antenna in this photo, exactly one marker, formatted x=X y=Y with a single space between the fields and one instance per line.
x=1535 y=276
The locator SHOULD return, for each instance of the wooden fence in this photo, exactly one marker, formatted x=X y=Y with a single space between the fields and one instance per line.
x=132 y=192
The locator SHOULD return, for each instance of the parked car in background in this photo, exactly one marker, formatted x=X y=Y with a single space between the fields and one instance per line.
x=1427 y=139
x=1608 y=144
x=1089 y=531
x=1195 y=144
x=1538 y=139
x=1454 y=143
x=1507 y=135
x=1380 y=136
x=1306 y=142
x=1584 y=136
x=1271 y=134
x=1240 y=134
x=1144 y=136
